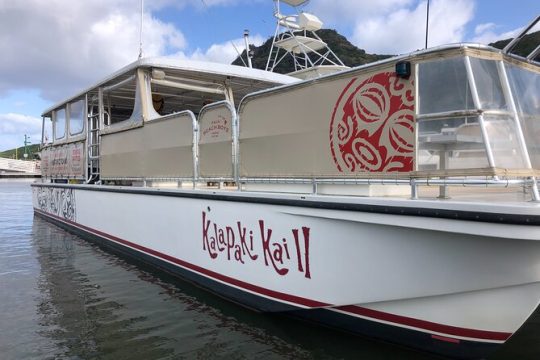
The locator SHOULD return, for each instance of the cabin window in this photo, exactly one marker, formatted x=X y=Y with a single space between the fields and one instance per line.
x=59 y=124
x=503 y=138
x=171 y=93
x=76 y=117
x=458 y=142
x=443 y=86
x=486 y=77
x=501 y=129
x=47 y=130
x=525 y=87
x=120 y=101
x=451 y=143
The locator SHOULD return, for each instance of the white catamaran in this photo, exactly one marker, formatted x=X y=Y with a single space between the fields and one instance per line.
x=396 y=200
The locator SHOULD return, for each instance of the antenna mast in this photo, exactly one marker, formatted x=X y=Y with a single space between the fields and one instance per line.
x=248 y=52
x=427 y=22
x=141 y=31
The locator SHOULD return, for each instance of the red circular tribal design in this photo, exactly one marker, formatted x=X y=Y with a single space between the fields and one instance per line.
x=372 y=126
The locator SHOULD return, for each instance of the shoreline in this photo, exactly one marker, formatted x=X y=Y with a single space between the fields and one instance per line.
x=19 y=176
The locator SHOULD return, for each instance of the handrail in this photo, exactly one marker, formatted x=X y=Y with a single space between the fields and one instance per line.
x=118 y=84
x=380 y=181
x=220 y=90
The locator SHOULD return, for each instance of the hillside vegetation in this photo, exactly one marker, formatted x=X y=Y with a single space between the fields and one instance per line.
x=353 y=56
x=347 y=52
x=525 y=47
x=19 y=152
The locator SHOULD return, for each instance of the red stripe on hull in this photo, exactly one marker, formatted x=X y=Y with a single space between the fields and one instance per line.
x=351 y=309
x=446 y=339
x=425 y=325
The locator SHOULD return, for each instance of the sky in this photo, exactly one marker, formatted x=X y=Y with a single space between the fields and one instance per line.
x=51 y=49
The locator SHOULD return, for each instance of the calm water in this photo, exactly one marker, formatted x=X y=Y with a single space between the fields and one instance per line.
x=63 y=298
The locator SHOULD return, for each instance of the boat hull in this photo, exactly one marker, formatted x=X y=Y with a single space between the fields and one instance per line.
x=454 y=287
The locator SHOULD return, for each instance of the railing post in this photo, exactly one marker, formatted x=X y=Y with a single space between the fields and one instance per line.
x=476 y=102
x=414 y=190
x=195 y=150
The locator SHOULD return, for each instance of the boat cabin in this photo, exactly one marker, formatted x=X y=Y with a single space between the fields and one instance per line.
x=454 y=115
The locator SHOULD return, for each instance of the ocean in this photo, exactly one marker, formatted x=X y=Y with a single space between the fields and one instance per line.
x=64 y=298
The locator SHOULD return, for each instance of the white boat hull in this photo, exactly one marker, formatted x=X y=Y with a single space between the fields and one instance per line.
x=439 y=282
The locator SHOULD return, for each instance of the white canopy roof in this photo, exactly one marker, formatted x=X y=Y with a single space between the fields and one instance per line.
x=240 y=77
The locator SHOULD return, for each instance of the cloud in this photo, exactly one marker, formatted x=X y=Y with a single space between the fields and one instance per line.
x=61 y=46
x=403 y=30
x=13 y=127
x=225 y=52
x=334 y=12
x=396 y=26
x=482 y=28
x=197 y=4
x=51 y=49
x=488 y=33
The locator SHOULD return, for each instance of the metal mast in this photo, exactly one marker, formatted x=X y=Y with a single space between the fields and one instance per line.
x=295 y=37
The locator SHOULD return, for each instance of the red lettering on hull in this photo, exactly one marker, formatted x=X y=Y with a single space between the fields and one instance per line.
x=239 y=244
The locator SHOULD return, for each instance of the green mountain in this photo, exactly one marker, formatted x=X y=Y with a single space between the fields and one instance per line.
x=353 y=56
x=347 y=52
x=19 y=152
x=524 y=47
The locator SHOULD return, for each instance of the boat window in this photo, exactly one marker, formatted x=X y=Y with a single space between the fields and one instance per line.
x=443 y=86
x=60 y=124
x=76 y=117
x=503 y=138
x=450 y=143
x=119 y=102
x=171 y=94
x=458 y=142
x=47 y=130
x=486 y=77
x=525 y=86
x=453 y=142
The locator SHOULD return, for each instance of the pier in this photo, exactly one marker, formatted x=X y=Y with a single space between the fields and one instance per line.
x=11 y=168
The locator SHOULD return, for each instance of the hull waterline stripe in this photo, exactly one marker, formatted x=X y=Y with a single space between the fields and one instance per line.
x=446 y=339
x=398 y=320
x=423 y=324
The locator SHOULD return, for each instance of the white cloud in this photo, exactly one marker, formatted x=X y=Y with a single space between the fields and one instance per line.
x=403 y=29
x=488 y=33
x=51 y=49
x=13 y=127
x=335 y=12
x=485 y=34
x=225 y=52
x=482 y=28
x=60 y=46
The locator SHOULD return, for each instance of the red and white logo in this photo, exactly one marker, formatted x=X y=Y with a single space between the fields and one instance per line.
x=372 y=127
